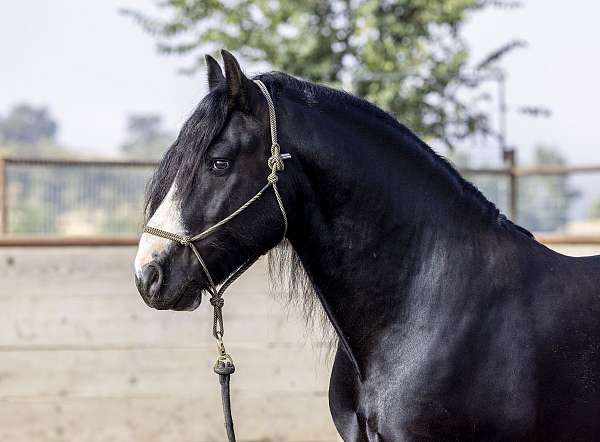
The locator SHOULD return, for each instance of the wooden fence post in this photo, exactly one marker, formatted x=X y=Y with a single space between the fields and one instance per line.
x=3 y=198
x=514 y=197
x=510 y=156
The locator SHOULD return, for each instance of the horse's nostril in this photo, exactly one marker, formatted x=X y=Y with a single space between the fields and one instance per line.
x=150 y=280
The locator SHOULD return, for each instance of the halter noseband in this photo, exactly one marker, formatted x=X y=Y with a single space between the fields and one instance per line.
x=224 y=366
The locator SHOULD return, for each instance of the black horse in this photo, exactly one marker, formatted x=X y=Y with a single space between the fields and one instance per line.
x=452 y=322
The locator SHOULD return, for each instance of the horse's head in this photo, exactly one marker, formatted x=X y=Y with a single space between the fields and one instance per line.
x=218 y=162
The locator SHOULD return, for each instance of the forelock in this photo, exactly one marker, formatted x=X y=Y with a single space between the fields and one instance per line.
x=185 y=156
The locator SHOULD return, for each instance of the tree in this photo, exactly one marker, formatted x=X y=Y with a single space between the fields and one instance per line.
x=405 y=55
x=28 y=124
x=146 y=137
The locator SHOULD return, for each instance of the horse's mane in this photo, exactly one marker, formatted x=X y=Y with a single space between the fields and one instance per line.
x=285 y=269
x=312 y=94
x=290 y=281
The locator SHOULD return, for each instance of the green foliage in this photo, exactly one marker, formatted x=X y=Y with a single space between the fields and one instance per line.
x=146 y=138
x=29 y=131
x=405 y=55
x=27 y=124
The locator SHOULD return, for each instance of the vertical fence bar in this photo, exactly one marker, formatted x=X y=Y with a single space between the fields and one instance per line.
x=3 y=198
x=510 y=156
x=514 y=196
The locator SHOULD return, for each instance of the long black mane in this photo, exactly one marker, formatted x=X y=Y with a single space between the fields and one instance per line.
x=318 y=95
x=207 y=120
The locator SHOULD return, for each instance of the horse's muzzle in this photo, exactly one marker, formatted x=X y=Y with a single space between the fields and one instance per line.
x=156 y=293
x=149 y=282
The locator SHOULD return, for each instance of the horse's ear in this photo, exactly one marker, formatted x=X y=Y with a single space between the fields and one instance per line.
x=215 y=75
x=243 y=93
x=238 y=85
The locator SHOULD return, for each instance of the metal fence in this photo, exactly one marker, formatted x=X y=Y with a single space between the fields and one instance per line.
x=71 y=202
x=559 y=202
x=71 y=198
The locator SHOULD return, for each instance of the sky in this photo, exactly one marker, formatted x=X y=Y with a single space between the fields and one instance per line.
x=92 y=66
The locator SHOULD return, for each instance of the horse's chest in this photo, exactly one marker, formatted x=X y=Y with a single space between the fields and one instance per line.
x=420 y=401
x=380 y=408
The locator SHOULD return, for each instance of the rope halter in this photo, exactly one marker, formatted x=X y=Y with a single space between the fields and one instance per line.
x=276 y=165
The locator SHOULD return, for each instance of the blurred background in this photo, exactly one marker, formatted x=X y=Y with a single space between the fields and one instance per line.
x=92 y=93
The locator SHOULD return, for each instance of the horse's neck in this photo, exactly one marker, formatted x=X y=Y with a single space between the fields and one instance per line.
x=368 y=230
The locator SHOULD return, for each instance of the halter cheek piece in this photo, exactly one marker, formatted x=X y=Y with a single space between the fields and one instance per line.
x=224 y=366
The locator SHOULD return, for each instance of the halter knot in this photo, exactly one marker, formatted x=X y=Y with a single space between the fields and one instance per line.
x=272 y=178
x=217 y=302
x=275 y=163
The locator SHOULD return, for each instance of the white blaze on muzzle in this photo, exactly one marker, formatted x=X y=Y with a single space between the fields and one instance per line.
x=167 y=217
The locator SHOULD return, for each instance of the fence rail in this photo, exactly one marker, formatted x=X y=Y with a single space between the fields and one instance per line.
x=71 y=197
x=534 y=170
x=551 y=239
x=3 y=198
x=50 y=202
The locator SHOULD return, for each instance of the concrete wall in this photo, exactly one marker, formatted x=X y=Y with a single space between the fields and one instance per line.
x=83 y=359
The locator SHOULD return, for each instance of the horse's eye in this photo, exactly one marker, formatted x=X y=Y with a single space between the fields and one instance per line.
x=220 y=165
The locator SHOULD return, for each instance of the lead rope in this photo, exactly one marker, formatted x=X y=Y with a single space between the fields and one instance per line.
x=224 y=365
